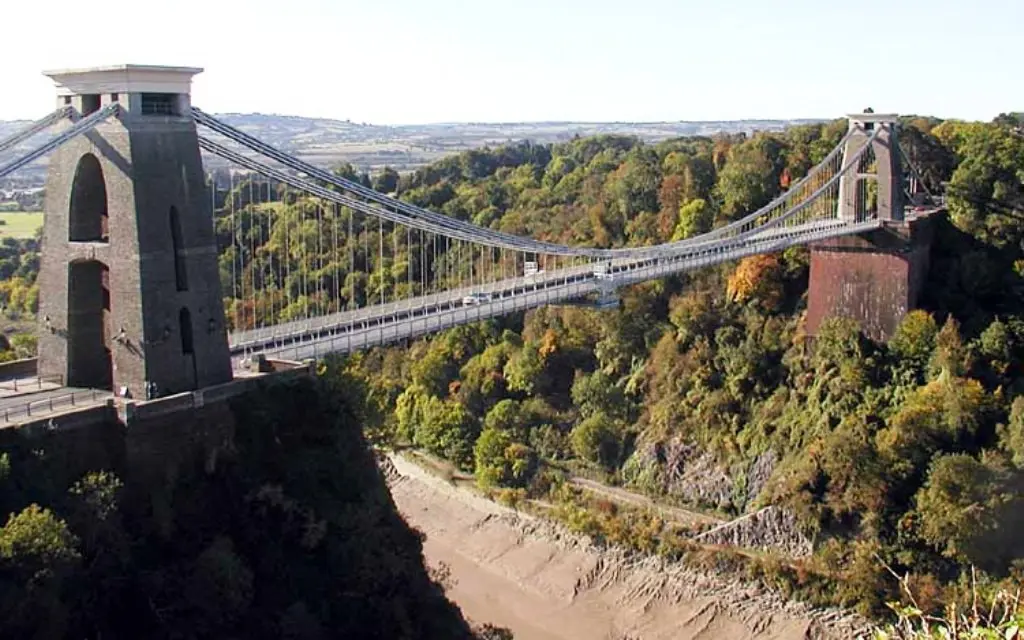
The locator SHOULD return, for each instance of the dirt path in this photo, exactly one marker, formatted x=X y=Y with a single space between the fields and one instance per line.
x=616 y=494
x=543 y=583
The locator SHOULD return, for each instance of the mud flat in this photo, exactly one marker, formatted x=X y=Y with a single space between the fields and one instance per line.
x=544 y=583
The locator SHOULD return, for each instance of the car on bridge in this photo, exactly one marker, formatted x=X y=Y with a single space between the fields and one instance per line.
x=476 y=298
x=603 y=271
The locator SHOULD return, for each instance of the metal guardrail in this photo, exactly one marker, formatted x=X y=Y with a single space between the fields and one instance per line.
x=53 y=403
x=35 y=382
x=350 y=338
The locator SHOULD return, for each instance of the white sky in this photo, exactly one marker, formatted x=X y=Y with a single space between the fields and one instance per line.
x=417 y=61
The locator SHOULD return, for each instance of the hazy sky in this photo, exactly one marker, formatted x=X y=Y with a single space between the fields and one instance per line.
x=416 y=61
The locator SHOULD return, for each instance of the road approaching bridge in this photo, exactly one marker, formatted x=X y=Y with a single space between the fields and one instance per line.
x=45 y=399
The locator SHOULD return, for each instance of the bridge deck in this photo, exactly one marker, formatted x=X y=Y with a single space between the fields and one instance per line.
x=50 y=399
x=15 y=387
x=351 y=331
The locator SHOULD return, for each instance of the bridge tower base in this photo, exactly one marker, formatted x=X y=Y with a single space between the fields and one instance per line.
x=131 y=287
x=874 y=278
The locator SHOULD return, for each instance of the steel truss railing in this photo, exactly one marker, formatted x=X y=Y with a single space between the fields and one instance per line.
x=510 y=296
x=290 y=330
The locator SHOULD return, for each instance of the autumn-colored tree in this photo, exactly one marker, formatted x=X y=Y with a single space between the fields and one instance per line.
x=757 y=278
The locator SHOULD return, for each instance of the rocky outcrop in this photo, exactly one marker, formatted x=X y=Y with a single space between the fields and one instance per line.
x=693 y=476
x=769 y=529
x=554 y=583
x=685 y=472
x=759 y=473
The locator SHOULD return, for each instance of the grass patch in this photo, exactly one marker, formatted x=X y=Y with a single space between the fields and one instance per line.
x=20 y=224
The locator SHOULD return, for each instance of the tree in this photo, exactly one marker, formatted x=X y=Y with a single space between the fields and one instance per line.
x=597 y=393
x=750 y=178
x=694 y=314
x=840 y=482
x=961 y=510
x=757 y=278
x=409 y=411
x=436 y=369
x=501 y=461
x=695 y=218
x=525 y=371
x=38 y=555
x=997 y=347
x=943 y=415
x=508 y=416
x=597 y=440
x=220 y=584
x=986 y=191
x=914 y=339
x=25 y=345
x=1011 y=435
x=491 y=632
x=447 y=429
x=949 y=355
x=386 y=181
x=557 y=169
x=483 y=380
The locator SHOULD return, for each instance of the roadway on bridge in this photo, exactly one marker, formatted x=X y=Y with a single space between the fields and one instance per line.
x=351 y=331
x=23 y=407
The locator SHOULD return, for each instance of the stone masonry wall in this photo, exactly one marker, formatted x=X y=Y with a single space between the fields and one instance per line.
x=873 y=278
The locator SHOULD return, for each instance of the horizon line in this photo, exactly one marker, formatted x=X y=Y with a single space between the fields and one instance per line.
x=506 y=122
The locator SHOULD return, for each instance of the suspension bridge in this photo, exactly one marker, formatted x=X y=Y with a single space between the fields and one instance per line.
x=160 y=276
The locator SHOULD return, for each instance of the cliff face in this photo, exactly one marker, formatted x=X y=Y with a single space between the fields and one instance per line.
x=267 y=517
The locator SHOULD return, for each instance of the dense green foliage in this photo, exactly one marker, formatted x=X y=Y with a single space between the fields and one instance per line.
x=290 y=534
x=19 y=265
x=908 y=453
x=19 y=297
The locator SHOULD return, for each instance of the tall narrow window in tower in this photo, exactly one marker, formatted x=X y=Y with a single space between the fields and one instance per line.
x=180 y=268
x=185 y=328
x=88 y=220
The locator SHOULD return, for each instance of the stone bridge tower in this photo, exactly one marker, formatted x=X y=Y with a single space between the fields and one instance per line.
x=130 y=288
x=874 y=278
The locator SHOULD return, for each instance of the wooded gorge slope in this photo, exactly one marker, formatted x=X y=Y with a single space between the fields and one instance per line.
x=702 y=388
x=284 y=530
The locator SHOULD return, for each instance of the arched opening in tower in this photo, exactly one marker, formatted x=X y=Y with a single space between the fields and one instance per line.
x=180 y=272
x=88 y=220
x=89 y=356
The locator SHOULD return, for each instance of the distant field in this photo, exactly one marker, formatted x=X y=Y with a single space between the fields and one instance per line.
x=20 y=224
